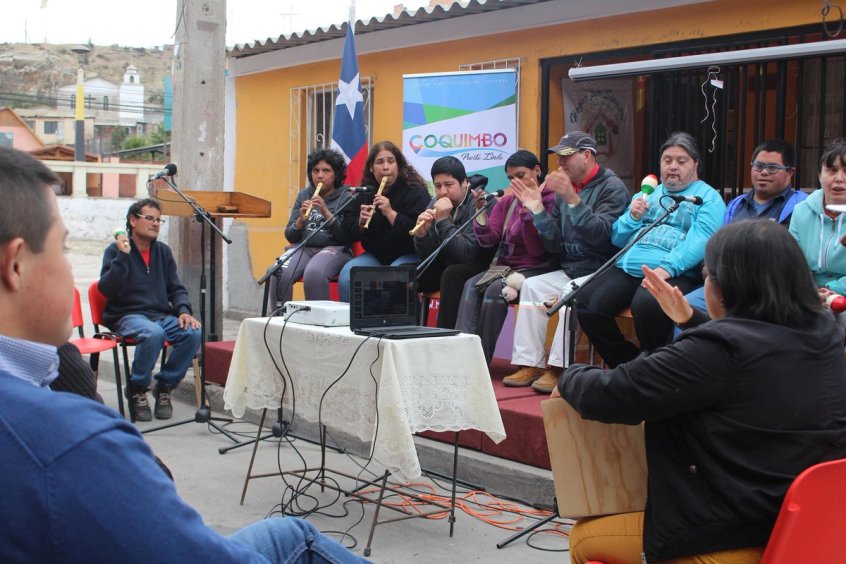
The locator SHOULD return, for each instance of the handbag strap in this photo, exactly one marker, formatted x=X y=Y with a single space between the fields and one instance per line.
x=508 y=215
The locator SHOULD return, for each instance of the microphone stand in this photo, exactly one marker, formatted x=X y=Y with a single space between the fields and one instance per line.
x=286 y=256
x=278 y=428
x=568 y=298
x=203 y=414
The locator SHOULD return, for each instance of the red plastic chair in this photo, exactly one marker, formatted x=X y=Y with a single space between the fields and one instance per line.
x=809 y=527
x=93 y=346
x=97 y=303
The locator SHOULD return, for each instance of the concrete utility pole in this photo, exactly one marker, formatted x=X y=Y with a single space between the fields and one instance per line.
x=199 y=58
x=79 y=131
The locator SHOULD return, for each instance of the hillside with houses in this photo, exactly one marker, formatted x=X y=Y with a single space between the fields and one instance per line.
x=124 y=91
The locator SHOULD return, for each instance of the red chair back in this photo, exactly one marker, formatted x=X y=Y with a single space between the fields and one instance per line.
x=97 y=303
x=809 y=527
x=76 y=313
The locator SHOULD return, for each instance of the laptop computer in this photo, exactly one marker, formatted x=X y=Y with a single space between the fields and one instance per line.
x=383 y=303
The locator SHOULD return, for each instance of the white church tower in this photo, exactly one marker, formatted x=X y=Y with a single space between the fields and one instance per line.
x=131 y=98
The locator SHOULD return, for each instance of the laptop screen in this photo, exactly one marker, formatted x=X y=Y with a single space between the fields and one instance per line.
x=383 y=296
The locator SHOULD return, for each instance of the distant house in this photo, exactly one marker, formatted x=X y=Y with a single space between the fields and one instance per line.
x=55 y=126
x=108 y=106
x=16 y=133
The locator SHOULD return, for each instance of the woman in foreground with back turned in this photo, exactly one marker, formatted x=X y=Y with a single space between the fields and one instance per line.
x=734 y=409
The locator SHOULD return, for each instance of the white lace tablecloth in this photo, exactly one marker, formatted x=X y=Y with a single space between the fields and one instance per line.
x=436 y=384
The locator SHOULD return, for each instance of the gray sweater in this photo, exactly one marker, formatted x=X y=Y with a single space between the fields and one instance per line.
x=581 y=234
x=334 y=234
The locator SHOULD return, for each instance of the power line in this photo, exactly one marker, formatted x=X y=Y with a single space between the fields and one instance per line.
x=59 y=102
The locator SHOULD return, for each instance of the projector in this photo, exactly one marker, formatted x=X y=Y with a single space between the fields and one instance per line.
x=317 y=312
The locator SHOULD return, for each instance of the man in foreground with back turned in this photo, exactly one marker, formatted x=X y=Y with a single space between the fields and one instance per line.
x=146 y=301
x=79 y=482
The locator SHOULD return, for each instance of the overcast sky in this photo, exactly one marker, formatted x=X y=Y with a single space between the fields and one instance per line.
x=152 y=22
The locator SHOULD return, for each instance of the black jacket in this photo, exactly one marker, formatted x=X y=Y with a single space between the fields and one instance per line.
x=463 y=248
x=734 y=410
x=385 y=241
x=131 y=287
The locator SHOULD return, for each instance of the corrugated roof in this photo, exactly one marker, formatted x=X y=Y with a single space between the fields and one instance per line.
x=389 y=21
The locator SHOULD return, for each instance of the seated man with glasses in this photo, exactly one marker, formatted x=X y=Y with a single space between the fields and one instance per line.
x=772 y=196
x=146 y=301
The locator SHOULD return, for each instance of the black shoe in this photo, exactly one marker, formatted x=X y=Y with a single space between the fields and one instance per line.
x=164 y=409
x=139 y=407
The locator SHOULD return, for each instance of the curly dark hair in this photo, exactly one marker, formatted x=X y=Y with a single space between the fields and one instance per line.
x=407 y=173
x=334 y=159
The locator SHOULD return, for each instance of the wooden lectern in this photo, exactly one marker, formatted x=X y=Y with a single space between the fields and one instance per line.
x=218 y=204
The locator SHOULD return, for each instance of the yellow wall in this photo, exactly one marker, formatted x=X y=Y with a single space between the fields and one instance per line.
x=263 y=100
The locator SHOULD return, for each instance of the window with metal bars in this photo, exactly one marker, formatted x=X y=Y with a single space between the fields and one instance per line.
x=312 y=112
x=800 y=100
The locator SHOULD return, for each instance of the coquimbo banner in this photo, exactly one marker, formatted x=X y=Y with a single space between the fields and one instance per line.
x=469 y=115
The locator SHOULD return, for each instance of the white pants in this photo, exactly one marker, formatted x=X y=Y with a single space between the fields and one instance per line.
x=532 y=321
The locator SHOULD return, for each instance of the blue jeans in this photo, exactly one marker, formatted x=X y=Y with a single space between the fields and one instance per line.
x=151 y=336
x=290 y=540
x=365 y=259
x=696 y=299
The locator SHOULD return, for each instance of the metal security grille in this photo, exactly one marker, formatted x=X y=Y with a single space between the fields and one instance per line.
x=801 y=101
x=312 y=111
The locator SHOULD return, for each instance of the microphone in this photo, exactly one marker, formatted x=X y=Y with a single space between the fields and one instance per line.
x=489 y=195
x=169 y=170
x=695 y=200
x=361 y=190
x=647 y=185
x=478 y=181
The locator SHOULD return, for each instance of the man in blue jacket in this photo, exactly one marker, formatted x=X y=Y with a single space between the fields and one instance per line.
x=772 y=197
x=79 y=482
x=146 y=301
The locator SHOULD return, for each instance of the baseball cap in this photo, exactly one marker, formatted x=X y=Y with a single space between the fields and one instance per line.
x=574 y=142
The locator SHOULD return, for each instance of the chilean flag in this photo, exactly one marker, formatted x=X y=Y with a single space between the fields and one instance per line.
x=348 y=135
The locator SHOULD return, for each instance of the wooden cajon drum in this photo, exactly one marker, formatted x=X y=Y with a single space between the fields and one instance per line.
x=597 y=468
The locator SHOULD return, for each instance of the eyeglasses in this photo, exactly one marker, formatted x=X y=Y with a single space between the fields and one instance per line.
x=150 y=218
x=771 y=168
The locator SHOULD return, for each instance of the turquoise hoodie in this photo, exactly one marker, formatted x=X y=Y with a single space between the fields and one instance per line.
x=819 y=236
x=678 y=246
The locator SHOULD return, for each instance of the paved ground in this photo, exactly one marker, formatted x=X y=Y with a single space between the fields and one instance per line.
x=212 y=482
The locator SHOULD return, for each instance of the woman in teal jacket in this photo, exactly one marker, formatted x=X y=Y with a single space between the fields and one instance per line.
x=819 y=230
x=674 y=249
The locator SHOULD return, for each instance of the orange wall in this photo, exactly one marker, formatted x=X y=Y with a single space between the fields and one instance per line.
x=263 y=100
